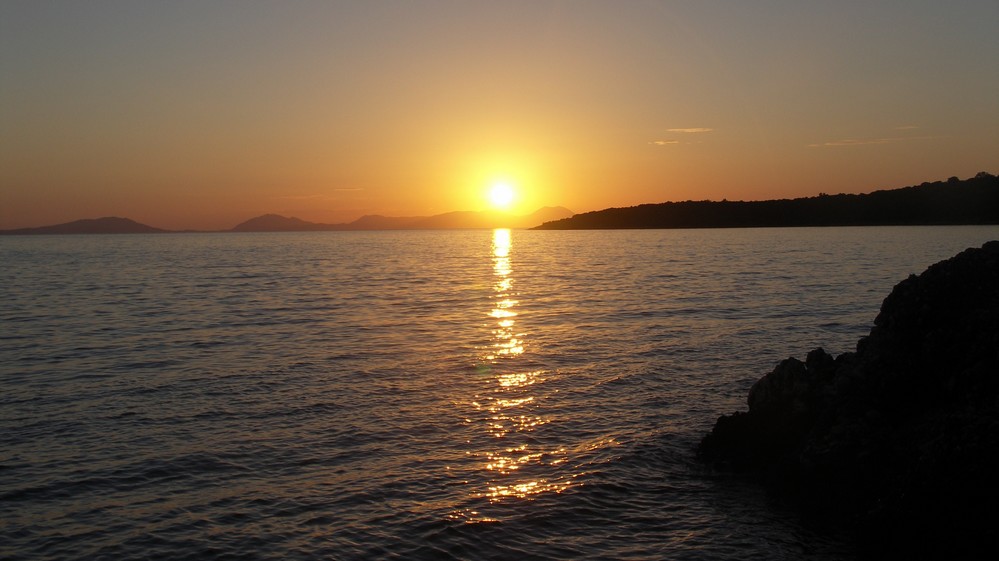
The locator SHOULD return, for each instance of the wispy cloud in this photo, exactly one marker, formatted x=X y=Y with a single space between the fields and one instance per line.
x=670 y=141
x=852 y=142
x=869 y=141
x=878 y=141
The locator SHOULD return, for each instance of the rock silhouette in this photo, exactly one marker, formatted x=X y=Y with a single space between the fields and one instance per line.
x=900 y=439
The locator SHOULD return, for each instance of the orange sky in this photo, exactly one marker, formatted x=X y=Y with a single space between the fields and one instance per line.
x=201 y=115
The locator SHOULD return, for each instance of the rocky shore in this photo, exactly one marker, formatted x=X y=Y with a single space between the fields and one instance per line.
x=900 y=439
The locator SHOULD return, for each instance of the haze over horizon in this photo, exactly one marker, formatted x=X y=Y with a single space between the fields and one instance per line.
x=190 y=115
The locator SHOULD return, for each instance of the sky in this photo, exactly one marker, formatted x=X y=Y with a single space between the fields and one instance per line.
x=202 y=114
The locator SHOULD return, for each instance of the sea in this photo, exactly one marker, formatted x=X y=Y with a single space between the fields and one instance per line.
x=464 y=395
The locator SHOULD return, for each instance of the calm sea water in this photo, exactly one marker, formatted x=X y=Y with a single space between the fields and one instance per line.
x=413 y=395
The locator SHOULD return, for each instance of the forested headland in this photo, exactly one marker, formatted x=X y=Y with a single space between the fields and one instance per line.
x=955 y=201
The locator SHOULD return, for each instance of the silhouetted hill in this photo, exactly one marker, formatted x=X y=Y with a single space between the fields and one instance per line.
x=456 y=219
x=107 y=225
x=448 y=220
x=548 y=213
x=487 y=219
x=278 y=223
x=379 y=222
x=971 y=201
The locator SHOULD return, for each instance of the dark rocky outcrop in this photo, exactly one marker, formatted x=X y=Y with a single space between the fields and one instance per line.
x=901 y=438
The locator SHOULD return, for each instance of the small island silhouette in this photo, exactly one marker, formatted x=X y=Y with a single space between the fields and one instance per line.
x=970 y=201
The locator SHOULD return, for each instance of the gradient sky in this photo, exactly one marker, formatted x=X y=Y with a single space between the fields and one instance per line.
x=195 y=114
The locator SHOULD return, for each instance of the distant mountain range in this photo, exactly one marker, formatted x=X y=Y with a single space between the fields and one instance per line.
x=955 y=201
x=450 y=220
x=109 y=225
x=971 y=201
x=277 y=223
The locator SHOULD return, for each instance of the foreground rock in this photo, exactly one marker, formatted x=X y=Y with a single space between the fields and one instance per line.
x=899 y=439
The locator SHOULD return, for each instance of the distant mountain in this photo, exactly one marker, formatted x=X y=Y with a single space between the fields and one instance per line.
x=971 y=201
x=463 y=219
x=549 y=213
x=449 y=220
x=107 y=225
x=488 y=219
x=278 y=223
x=379 y=222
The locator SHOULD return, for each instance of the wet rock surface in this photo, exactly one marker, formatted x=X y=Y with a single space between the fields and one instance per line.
x=899 y=440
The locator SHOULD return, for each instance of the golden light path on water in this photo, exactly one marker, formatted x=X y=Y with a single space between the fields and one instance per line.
x=516 y=465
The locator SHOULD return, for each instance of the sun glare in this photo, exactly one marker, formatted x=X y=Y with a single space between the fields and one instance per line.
x=501 y=194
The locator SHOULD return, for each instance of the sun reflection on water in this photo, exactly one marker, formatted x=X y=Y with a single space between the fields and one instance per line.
x=508 y=343
x=515 y=463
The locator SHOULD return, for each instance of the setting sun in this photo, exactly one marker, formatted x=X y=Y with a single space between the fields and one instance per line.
x=501 y=194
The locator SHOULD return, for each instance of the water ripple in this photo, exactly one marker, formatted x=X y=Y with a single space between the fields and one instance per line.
x=412 y=395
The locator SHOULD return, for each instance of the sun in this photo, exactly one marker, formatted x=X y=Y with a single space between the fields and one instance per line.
x=501 y=194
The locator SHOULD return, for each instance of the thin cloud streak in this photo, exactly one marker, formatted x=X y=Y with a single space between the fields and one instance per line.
x=694 y=130
x=869 y=141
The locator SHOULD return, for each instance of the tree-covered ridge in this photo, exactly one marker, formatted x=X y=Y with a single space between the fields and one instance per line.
x=955 y=201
